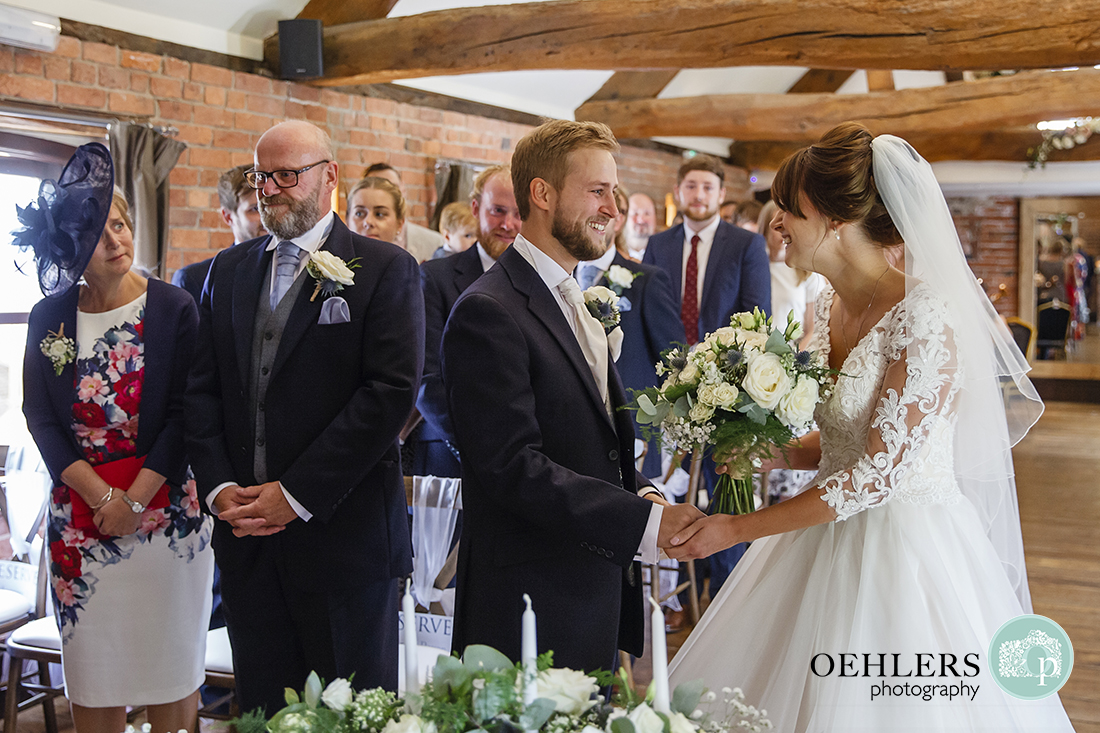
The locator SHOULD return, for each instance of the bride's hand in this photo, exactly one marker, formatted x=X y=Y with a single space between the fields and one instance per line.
x=705 y=537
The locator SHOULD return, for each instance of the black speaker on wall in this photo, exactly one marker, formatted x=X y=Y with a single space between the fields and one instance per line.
x=300 y=42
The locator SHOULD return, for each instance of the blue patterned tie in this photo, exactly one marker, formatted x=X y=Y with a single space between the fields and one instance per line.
x=287 y=257
x=588 y=275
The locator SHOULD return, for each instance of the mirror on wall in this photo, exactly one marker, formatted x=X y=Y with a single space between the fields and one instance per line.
x=1059 y=298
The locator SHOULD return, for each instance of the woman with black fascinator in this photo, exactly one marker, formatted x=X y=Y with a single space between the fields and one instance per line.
x=129 y=548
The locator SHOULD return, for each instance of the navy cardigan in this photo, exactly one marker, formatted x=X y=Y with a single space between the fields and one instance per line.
x=171 y=325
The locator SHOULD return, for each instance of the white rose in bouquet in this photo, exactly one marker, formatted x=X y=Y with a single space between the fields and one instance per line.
x=338 y=694
x=570 y=690
x=725 y=395
x=332 y=267
x=747 y=320
x=679 y=723
x=725 y=336
x=796 y=407
x=689 y=373
x=766 y=380
x=707 y=394
x=645 y=720
x=752 y=339
x=700 y=412
x=409 y=724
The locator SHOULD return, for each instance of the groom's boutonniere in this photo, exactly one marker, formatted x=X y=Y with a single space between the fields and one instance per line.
x=330 y=272
x=620 y=279
x=59 y=349
x=603 y=304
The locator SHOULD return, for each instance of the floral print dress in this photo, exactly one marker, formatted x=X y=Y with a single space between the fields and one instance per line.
x=133 y=611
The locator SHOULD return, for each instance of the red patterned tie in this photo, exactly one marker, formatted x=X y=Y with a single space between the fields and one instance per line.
x=689 y=309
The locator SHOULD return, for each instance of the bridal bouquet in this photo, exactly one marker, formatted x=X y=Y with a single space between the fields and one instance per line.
x=483 y=692
x=741 y=392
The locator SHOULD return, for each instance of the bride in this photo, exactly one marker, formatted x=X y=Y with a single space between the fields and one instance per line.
x=908 y=541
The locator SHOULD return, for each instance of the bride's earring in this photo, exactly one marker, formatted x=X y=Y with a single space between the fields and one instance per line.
x=837 y=233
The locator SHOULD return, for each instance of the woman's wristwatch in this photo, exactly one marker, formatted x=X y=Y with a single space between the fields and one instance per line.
x=135 y=507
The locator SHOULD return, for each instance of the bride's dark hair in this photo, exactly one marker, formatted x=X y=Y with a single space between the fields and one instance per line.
x=836 y=175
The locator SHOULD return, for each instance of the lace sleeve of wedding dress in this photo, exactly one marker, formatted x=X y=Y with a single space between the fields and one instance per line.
x=908 y=447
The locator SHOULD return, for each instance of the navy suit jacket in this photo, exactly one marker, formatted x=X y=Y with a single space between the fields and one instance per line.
x=651 y=326
x=443 y=280
x=548 y=480
x=337 y=398
x=737 y=278
x=192 y=277
x=170 y=325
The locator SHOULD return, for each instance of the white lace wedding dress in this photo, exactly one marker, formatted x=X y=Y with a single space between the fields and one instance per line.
x=906 y=569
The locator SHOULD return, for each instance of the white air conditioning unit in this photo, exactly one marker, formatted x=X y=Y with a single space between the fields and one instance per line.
x=29 y=29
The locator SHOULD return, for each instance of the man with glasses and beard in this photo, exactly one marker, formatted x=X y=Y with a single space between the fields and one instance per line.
x=304 y=374
x=717 y=270
x=550 y=495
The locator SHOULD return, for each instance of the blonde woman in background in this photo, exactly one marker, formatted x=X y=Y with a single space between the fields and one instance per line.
x=376 y=209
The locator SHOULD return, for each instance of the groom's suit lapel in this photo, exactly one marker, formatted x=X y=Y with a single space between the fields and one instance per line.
x=543 y=306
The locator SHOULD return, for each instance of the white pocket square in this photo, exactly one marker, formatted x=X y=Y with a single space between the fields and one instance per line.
x=334 y=310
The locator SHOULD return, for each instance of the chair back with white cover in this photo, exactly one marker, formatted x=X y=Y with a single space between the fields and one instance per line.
x=426 y=657
x=435 y=505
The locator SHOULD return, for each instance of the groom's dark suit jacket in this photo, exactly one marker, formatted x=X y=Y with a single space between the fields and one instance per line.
x=337 y=398
x=548 y=478
x=650 y=326
x=443 y=280
x=737 y=277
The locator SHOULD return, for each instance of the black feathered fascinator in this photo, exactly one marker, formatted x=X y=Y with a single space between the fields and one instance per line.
x=64 y=224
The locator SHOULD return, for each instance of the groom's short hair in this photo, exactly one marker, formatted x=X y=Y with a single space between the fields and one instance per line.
x=544 y=153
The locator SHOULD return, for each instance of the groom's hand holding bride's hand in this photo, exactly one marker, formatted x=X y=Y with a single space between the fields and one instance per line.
x=675 y=519
x=704 y=538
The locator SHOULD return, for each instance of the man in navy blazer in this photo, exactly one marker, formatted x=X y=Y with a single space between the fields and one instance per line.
x=240 y=210
x=728 y=268
x=649 y=316
x=443 y=280
x=549 y=488
x=295 y=402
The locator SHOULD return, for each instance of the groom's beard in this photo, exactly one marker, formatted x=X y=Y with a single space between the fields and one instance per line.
x=575 y=239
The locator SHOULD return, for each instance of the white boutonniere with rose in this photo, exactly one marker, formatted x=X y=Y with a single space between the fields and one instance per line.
x=331 y=273
x=59 y=349
x=620 y=279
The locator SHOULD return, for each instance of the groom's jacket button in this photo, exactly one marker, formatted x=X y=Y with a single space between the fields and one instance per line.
x=269 y=335
x=264 y=371
x=613 y=455
x=259 y=441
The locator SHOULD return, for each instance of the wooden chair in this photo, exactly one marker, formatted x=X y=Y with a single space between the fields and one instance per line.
x=1053 y=329
x=1022 y=333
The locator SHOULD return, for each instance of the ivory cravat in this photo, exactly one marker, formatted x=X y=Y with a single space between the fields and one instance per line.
x=689 y=308
x=287 y=257
x=590 y=334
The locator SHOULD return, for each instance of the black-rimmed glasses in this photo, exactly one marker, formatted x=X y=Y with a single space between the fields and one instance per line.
x=283 y=179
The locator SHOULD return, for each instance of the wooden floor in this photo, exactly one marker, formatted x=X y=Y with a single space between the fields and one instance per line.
x=1058 y=482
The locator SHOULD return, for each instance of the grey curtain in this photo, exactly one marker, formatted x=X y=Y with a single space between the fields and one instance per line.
x=454 y=180
x=143 y=158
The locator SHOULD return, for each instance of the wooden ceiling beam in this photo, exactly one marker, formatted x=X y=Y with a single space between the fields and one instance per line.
x=880 y=80
x=985 y=104
x=338 y=12
x=634 y=85
x=644 y=34
x=820 y=81
x=1006 y=145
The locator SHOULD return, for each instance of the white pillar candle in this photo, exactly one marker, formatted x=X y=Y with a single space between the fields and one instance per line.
x=412 y=666
x=660 y=661
x=529 y=653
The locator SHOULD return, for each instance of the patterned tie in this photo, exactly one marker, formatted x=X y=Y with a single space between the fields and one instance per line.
x=590 y=335
x=588 y=275
x=287 y=257
x=689 y=309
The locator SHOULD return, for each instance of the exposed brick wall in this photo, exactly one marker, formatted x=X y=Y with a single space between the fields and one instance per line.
x=221 y=113
x=991 y=228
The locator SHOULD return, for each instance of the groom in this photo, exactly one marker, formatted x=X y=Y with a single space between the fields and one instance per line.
x=549 y=486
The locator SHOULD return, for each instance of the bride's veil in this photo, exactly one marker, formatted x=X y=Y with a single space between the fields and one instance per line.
x=997 y=403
